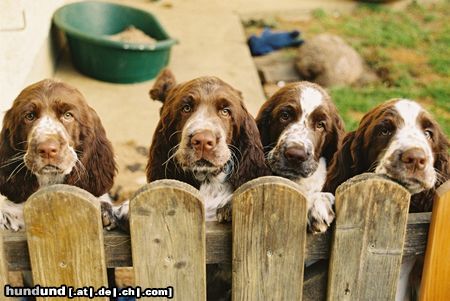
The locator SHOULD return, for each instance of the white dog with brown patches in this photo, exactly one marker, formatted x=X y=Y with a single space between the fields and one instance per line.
x=300 y=131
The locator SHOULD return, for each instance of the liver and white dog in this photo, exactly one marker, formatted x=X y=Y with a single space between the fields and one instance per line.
x=50 y=135
x=401 y=140
x=300 y=132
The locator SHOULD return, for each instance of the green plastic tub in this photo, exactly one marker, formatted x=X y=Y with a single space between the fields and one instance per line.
x=87 y=26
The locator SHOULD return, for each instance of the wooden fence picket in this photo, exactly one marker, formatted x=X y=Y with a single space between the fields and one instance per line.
x=269 y=237
x=367 y=246
x=3 y=266
x=436 y=272
x=267 y=243
x=65 y=238
x=167 y=225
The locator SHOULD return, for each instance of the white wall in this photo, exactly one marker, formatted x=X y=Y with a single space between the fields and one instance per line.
x=25 y=48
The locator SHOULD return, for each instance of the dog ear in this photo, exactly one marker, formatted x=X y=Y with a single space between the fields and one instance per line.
x=98 y=169
x=263 y=120
x=158 y=154
x=16 y=183
x=164 y=83
x=251 y=156
x=341 y=167
x=442 y=159
x=334 y=138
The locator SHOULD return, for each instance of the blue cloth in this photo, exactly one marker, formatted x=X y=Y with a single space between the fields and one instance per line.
x=269 y=41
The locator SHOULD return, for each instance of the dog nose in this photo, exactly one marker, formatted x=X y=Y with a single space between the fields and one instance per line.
x=414 y=158
x=203 y=142
x=48 y=149
x=296 y=154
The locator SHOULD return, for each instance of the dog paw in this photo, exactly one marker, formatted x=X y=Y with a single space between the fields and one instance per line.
x=320 y=214
x=11 y=222
x=109 y=216
x=223 y=213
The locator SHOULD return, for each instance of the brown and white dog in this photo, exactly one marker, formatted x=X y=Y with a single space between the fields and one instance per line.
x=300 y=131
x=401 y=140
x=51 y=136
x=205 y=137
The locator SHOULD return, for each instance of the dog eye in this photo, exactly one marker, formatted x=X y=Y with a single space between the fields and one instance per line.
x=385 y=132
x=30 y=116
x=320 y=125
x=428 y=134
x=285 y=116
x=225 y=112
x=186 y=108
x=68 y=116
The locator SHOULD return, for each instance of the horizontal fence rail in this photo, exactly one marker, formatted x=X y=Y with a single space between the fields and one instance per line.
x=267 y=244
x=218 y=244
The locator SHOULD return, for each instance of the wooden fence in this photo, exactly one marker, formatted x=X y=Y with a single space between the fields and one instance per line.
x=267 y=243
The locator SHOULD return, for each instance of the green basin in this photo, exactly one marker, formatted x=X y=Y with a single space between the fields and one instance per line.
x=87 y=26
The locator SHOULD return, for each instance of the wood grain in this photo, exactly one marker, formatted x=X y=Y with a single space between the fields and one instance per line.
x=65 y=238
x=218 y=244
x=168 y=239
x=367 y=246
x=269 y=237
x=436 y=273
x=3 y=266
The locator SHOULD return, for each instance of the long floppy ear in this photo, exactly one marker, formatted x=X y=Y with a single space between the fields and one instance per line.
x=157 y=167
x=164 y=83
x=99 y=166
x=263 y=120
x=334 y=138
x=342 y=165
x=251 y=156
x=442 y=160
x=15 y=182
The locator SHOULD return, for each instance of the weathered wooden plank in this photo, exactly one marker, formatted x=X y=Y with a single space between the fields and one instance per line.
x=3 y=267
x=218 y=244
x=269 y=237
x=65 y=238
x=167 y=225
x=436 y=273
x=371 y=217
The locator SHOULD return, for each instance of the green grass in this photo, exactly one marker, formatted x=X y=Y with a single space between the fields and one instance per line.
x=409 y=50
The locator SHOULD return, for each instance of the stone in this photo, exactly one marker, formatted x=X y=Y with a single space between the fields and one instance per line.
x=329 y=61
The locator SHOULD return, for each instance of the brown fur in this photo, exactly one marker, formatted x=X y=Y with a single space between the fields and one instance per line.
x=87 y=137
x=240 y=128
x=361 y=148
x=270 y=127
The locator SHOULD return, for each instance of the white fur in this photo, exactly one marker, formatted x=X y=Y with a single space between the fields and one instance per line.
x=48 y=126
x=216 y=191
x=319 y=203
x=298 y=132
x=200 y=121
x=315 y=182
x=410 y=135
x=310 y=99
x=45 y=127
x=11 y=215
x=121 y=211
